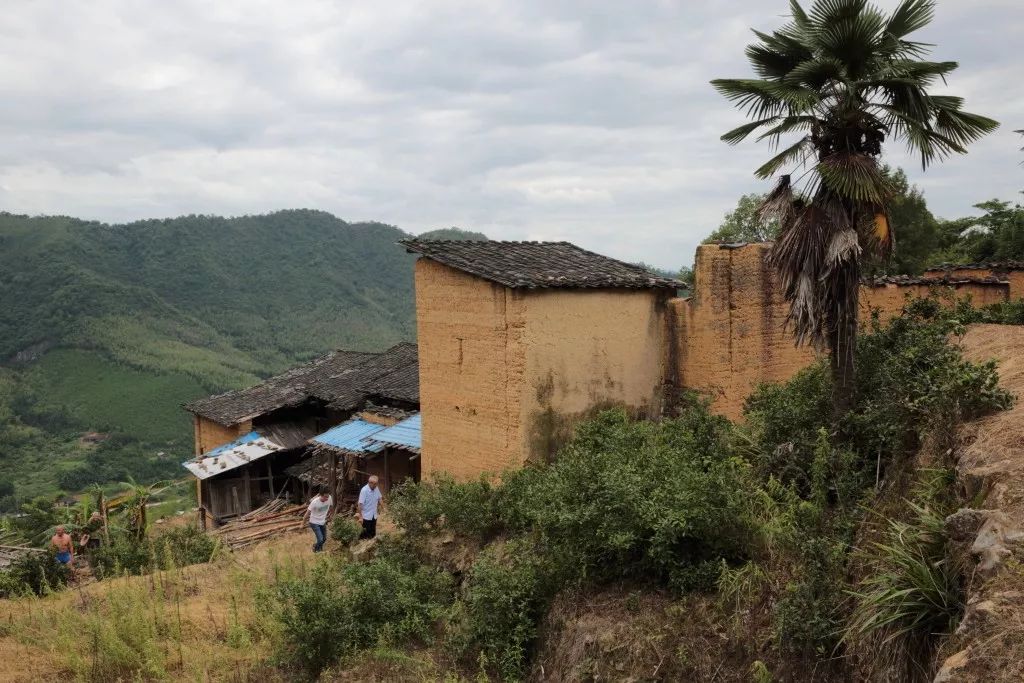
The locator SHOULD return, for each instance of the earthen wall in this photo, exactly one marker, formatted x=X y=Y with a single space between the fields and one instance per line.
x=472 y=364
x=585 y=350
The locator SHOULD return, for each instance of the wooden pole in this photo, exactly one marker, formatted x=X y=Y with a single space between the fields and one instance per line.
x=270 y=477
x=332 y=476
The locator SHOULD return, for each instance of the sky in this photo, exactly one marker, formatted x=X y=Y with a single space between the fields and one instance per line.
x=583 y=120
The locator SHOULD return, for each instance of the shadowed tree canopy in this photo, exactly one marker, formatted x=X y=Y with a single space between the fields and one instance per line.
x=844 y=78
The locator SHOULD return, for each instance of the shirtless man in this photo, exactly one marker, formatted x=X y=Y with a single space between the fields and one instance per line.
x=64 y=545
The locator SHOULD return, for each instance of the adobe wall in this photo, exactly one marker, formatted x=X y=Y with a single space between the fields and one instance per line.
x=728 y=336
x=890 y=298
x=1014 y=276
x=586 y=350
x=472 y=371
x=208 y=434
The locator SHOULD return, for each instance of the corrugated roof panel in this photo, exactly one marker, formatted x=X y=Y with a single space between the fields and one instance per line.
x=352 y=436
x=225 y=458
x=406 y=434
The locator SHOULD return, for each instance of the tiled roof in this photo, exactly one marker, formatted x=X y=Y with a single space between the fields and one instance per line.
x=996 y=266
x=401 y=385
x=930 y=281
x=346 y=390
x=342 y=379
x=533 y=265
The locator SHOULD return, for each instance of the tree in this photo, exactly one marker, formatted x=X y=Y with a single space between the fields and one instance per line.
x=845 y=77
x=743 y=224
x=919 y=229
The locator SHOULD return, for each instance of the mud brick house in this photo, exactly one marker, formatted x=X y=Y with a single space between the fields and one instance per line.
x=247 y=440
x=519 y=341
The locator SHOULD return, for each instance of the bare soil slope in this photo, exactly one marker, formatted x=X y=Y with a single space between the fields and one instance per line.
x=989 y=644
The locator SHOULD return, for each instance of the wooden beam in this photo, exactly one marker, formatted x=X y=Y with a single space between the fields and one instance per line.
x=270 y=476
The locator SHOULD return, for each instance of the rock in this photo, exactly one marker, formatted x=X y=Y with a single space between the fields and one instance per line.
x=991 y=546
x=952 y=668
x=962 y=526
x=364 y=550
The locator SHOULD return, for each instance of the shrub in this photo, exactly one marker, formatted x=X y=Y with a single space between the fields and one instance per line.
x=35 y=573
x=643 y=498
x=339 y=610
x=345 y=530
x=467 y=508
x=507 y=593
x=178 y=547
x=808 y=617
x=910 y=379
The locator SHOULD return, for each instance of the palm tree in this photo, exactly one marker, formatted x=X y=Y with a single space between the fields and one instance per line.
x=845 y=77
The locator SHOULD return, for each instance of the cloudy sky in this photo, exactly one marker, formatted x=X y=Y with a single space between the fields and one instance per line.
x=585 y=120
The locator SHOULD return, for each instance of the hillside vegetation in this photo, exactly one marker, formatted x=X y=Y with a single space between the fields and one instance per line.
x=788 y=548
x=111 y=327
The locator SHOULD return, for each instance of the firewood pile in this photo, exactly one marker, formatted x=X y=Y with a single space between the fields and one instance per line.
x=273 y=518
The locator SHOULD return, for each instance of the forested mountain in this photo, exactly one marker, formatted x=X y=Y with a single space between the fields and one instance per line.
x=110 y=327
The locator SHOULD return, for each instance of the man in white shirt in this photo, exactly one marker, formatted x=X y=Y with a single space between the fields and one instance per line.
x=318 y=514
x=369 y=505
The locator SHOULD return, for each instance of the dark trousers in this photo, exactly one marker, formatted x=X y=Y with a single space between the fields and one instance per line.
x=369 y=528
x=320 y=531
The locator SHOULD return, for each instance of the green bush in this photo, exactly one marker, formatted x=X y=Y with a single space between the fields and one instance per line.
x=507 y=593
x=345 y=530
x=643 y=498
x=808 y=616
x=34 y=573
x=467 y=508
x=910 y=380
x=339 y=610
x=178 y=547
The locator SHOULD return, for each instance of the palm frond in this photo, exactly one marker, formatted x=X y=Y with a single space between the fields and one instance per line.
x=816 y=72
x=788 y=125
x=796 y=154
x=738 y=134
x=762 y=98
x=855 y=177
x=910 y=16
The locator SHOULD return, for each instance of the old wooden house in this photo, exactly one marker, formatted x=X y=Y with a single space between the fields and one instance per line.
x=247 y=440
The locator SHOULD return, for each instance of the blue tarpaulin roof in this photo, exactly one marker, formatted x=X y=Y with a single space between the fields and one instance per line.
x=352 y=436
x=406 y=434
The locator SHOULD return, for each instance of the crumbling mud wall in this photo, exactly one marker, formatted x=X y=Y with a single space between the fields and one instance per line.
x=588 y=349
x=729 y=335
x=472 y=372
x=1013 y=273
x=208 y=434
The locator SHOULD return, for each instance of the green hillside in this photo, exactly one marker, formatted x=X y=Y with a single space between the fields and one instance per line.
x=111 y=327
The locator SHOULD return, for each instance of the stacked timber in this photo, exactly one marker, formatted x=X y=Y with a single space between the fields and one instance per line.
x=275 y=517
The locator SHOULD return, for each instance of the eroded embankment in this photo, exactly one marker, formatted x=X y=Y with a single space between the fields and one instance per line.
x=989 y=643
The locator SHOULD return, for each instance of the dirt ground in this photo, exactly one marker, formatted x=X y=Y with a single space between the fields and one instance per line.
x=989 y=644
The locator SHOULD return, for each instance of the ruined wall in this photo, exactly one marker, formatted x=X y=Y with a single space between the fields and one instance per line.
x=472 y=371
x=889 y=299
x=1013 y=275
x=728 y=336
x=585 y=350
x=208 y=434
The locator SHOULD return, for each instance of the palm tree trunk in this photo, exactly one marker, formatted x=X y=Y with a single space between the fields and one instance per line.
x=842 y=330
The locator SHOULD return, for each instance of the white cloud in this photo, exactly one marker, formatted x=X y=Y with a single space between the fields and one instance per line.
x=586 y=120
